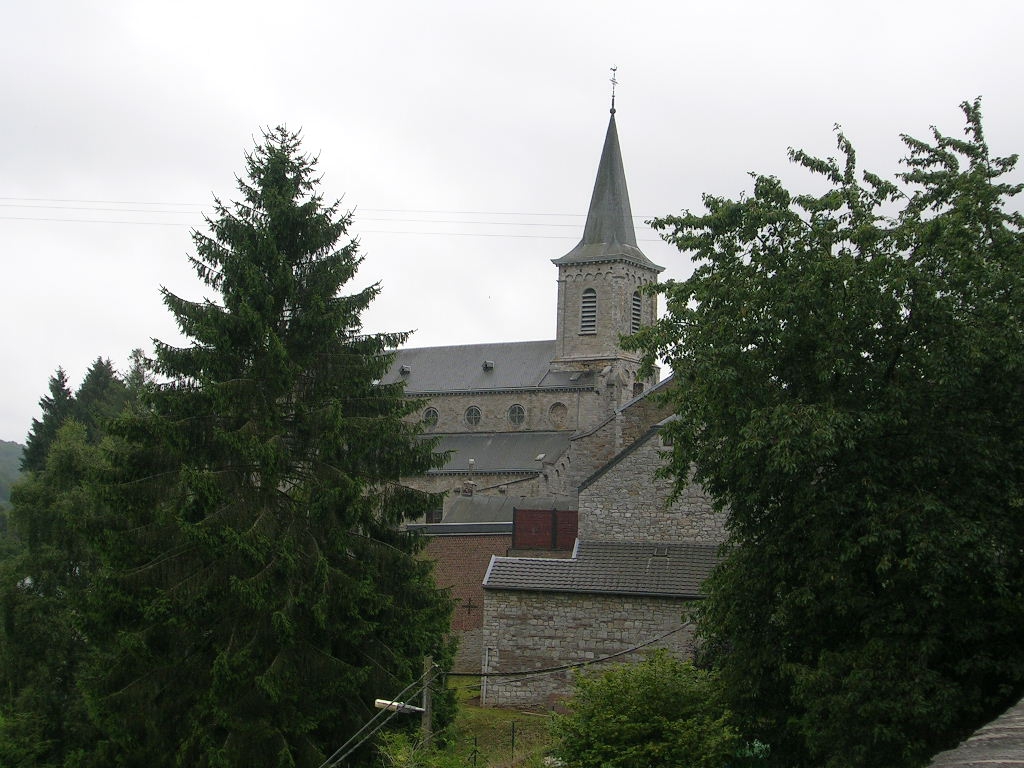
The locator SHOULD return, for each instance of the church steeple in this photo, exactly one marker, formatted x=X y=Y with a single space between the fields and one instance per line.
x=601 y=282
x=609 y=234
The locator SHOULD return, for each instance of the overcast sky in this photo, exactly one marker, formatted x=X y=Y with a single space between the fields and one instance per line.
x=465 y=135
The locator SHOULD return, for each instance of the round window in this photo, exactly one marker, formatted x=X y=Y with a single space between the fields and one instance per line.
x=430 y=417
x=472 y=415
x=517 y=414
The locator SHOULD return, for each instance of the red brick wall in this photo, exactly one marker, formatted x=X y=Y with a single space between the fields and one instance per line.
x=460 y=563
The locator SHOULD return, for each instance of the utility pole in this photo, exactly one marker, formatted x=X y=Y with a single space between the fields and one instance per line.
x=425 y=718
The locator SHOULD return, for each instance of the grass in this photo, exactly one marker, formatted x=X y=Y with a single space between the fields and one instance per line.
x=484 y=736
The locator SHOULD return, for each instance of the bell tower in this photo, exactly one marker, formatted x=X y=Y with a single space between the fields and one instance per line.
x=600 y=281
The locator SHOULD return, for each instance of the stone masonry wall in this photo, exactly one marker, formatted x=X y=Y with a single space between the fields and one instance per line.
x=532 y=630
x=545 y=410
x=591 y=450
x=614 y=283
x=629 y=503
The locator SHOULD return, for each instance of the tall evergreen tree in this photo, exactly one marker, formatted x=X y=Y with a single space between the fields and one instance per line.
x=101 y=396
x=849 y=371
x=56 y=407
x=259 y=592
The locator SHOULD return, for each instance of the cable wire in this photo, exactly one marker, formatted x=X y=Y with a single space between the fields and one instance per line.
x=335 y=759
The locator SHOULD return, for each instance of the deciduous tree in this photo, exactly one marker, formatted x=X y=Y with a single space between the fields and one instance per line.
x=849 y=373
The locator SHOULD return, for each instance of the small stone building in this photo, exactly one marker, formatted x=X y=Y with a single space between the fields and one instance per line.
x=638 y=566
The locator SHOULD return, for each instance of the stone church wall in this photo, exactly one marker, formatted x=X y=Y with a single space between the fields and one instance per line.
x=546 y=410
x=531 y=630
x=629 y=503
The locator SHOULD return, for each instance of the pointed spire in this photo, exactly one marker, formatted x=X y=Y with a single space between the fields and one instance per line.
x=609 y=234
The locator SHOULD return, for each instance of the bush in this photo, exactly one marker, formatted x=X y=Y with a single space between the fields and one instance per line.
x=657 y=712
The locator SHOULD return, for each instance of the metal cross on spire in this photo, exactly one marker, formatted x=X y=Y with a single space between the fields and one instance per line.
x=614 y=83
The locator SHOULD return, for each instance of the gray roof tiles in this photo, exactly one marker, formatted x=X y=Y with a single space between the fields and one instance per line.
x=463 y=368
x=500 y=451
x=620 y=568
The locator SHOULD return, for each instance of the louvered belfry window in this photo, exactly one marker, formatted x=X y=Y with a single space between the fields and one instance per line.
x=588 y=311
x=637 y=315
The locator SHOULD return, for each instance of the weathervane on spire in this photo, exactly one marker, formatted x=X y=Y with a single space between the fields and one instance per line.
x=614 y=83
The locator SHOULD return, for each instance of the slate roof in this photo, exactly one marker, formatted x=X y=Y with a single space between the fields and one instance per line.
x=516 y=365
x=617 y=568
x=1000 y=744
x=609 y=234
x=500 y=451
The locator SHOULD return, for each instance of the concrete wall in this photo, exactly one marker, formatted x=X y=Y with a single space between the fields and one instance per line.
x=531 y=630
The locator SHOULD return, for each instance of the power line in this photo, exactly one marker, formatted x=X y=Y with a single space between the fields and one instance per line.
x=363 y=734
x=359 y=232
x=356 y=208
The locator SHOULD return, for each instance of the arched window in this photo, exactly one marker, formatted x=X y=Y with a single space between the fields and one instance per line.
x=430 y=417
x=557 y=413
x=588 y=311
x=517 y=414
x=637 y=315
x=472 y=415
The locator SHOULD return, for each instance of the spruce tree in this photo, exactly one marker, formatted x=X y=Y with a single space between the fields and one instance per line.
x=101 y=396
x=259 y=590
x=56 y=407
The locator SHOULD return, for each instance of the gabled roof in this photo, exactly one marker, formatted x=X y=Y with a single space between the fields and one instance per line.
x=500 y=451
x=465 y=368
x=609 y=234
x=655 y=569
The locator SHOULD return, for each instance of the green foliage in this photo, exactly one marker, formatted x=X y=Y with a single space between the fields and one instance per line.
x=41 y=590
x=47 y=569
x=657 y=712
x=257 y=592
x=403 y=750
x=849 y=372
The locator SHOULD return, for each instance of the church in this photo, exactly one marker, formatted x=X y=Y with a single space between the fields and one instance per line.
x=557 y=538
